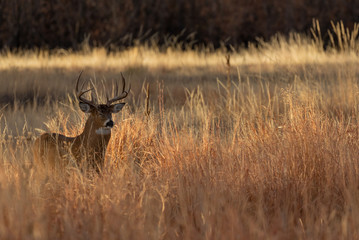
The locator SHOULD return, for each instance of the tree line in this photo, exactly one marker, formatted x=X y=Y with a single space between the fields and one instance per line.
x=120 y=23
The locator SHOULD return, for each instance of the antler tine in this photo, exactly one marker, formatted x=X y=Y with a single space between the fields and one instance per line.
x=123 y=94
x=78 y=80
x=123 y=83
x=116 y=88
x=83 y=84
x=80 y=92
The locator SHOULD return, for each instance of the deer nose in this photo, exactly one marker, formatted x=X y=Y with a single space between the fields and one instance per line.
x=109 y=123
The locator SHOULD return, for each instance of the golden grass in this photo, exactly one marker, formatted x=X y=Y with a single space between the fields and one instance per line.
x=275 y=156
x=295 y=50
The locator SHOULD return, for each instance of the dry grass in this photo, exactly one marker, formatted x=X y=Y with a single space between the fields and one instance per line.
x=276 y=156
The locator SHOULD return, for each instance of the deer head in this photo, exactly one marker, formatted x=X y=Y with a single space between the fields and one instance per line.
x=101 y=114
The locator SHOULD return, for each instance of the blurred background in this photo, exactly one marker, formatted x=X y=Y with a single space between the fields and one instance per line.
x=29 y=24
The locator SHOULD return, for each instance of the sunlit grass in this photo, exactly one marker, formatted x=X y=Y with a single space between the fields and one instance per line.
x=294 y=50
x=271 y=154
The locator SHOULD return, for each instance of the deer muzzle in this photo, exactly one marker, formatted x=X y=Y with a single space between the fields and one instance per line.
x=109 y=123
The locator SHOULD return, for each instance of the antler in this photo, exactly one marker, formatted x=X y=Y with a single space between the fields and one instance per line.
x=123 y=94
x=81 y=92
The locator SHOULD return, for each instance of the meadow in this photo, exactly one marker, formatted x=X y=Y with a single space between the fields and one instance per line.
x=262 y=144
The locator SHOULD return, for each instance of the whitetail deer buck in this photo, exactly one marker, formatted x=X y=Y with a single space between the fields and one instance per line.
x=88 y=148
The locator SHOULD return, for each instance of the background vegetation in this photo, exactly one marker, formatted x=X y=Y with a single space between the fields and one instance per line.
x=261 y=144
x=114 y=24
x=256 y=143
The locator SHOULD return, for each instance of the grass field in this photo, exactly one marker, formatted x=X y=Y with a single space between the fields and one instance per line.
x=265 y=147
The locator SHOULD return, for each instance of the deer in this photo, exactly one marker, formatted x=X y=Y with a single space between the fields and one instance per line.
x=88 y=148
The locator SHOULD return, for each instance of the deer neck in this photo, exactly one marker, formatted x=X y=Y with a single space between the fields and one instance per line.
x=95 y=133
x=89 y=144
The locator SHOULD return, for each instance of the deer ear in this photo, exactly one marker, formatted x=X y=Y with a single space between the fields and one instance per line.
x=117 y=107
x=86 y=108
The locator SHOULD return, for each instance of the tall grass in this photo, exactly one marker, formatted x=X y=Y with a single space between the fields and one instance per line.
x=273 y=154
